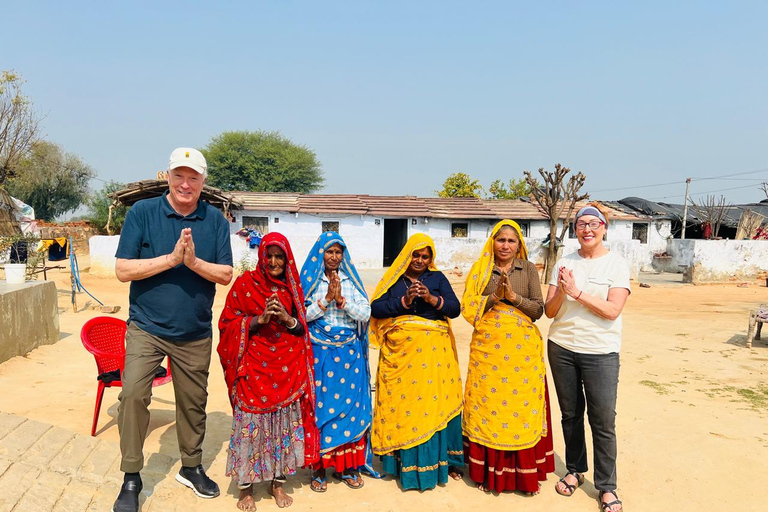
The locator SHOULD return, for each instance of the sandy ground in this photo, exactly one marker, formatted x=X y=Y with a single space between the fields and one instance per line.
x=693 y=404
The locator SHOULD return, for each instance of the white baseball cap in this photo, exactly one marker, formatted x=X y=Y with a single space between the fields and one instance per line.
x=188 y=157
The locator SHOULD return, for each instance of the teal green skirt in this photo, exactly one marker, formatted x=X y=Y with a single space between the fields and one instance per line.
x=426 y=465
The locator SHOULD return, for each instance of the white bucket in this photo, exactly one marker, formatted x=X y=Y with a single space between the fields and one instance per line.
x=15 y=273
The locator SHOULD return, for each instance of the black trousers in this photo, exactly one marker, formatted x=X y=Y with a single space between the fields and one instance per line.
x=587 y=381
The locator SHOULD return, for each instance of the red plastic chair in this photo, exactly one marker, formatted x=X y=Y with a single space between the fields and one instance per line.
x=104 y=337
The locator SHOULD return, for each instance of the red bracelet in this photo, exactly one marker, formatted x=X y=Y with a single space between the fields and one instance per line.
x=579 y=295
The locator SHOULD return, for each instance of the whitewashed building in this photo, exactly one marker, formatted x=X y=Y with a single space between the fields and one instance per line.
x=376 y=227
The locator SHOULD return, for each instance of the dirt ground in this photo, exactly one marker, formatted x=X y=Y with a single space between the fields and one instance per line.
x=692 y=410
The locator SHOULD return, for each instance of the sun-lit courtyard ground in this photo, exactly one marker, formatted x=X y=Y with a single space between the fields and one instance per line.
x=692 y=418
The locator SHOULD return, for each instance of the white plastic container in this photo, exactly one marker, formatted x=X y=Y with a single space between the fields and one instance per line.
x=15 y=273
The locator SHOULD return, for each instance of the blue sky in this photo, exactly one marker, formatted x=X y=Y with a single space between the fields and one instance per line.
x=394 y=96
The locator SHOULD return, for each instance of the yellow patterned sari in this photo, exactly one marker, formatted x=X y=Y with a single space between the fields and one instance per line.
x=418 y=383
x=504 y=406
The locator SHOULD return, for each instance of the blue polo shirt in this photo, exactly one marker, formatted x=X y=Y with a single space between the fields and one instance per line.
x=175 y=304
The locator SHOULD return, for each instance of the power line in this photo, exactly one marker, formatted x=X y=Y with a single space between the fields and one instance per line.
x=700 y=193
x=638 y=186
x=738 y=179
x=729 y=175
x=724 y=176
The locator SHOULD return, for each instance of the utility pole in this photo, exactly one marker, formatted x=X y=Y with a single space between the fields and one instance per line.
x=685 y=208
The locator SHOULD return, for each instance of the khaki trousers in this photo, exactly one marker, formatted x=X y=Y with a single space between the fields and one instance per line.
x=189 y=368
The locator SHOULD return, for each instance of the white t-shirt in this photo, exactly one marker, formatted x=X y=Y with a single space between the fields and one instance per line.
x=575 y=327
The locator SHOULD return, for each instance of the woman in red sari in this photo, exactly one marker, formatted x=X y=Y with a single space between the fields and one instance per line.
x=267 y=359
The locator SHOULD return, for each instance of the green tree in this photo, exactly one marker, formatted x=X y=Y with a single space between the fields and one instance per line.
x=50 y=181
x=98 y=204
x=516 y=189
x=460 y=184
x=261 y=161
x=18 y=124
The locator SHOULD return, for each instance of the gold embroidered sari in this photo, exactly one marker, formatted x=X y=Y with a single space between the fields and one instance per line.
x=418 y=383
x=504 y=406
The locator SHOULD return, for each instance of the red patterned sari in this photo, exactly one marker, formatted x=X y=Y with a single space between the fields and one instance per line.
x=271 y=369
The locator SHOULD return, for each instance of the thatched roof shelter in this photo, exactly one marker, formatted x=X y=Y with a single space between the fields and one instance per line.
x=146 y=189
x=134 y=192
x=9 y=225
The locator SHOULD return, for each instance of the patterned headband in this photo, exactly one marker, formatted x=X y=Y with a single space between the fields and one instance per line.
x=590 y=210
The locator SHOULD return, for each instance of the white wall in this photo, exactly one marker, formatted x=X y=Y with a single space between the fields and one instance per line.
x=364 y=237
x=712 y=261
x=366 y=241
x=102 y=251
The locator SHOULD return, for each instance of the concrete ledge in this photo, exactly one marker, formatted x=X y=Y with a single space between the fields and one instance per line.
x=29 y=316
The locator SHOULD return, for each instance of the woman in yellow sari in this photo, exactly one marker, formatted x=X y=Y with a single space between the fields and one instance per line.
x=417 y=413
x=507 y=443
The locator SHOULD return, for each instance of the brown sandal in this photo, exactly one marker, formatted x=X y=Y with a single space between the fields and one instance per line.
x=570 y=488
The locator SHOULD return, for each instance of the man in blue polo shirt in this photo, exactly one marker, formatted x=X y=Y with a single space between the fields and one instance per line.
x=173 y=249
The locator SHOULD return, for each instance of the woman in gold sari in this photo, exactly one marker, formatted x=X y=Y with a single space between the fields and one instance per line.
x=417 y=413
x=507 y=443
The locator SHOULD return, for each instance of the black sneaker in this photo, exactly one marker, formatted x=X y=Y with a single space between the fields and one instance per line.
x=196 y=479
x=128 y=499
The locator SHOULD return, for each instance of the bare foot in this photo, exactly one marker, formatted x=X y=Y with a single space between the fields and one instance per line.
x=455 y=473
x=246 y=501
x=483 y=487
x=281 y=498
x=534 y=493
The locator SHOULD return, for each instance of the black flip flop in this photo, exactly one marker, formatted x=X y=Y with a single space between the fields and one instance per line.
x=570 y=487
x=606 y=507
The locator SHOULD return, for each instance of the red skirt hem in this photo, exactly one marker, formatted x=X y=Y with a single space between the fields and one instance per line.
x=512 y=470
x=347 y=456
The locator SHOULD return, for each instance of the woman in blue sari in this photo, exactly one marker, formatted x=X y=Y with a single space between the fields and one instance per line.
x=337 y=316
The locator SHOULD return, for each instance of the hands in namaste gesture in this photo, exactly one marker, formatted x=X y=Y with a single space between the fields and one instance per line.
x=334 y=290
x=417 y=289
x=504 y=289
x=276 y=308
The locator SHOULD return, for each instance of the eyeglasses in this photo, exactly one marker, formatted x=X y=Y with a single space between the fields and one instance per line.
x=581 y=226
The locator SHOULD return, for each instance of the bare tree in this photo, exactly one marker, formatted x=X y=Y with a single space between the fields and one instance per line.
x=18 y=124
x=711 y=211
x=749 y=222
x=558 y=199
x=764 y=188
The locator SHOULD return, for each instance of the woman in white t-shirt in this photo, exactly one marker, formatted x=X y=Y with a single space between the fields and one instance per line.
x=587 y=292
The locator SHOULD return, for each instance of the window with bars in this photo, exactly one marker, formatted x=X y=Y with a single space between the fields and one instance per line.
x=261 y=224
x=640 y=232
x=459 y=229
x=330 y=225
